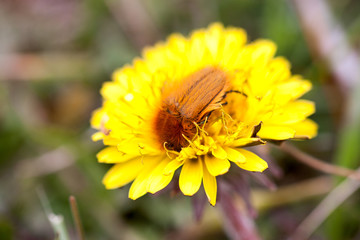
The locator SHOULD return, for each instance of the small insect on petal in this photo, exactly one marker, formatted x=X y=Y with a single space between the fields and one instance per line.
x=187 y=102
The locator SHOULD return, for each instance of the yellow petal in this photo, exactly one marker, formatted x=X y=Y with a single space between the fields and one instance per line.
x=253 y=162
x=219 y=152
x=217 y=166
x=177 y=42
x=276 y=132
x=97 y=136
x=305 y=129
x=122 y=173
x=210 y=186
x=234 y=155
x=262 y=79
x=242 y=142
x=112 y=91
x=190 y=177
x=304 y=106
x=213 y=36
x=186 y=153
x=97 y=117
x=122 y=76
x=133 y=147
x=108 y=140
x=172 y=166
x=112 y=155
x=157 y=179
x=234 y=41
x=292 y=89
x=261 y=51
x=196 y=51
x=139 y=186
x=293 y=112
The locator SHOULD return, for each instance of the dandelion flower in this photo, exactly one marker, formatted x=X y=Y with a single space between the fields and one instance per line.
x=195 y=103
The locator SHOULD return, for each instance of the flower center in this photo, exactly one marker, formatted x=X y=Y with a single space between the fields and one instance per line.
x=186 y=104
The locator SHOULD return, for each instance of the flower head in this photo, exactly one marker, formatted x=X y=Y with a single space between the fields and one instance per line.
x=195 y=103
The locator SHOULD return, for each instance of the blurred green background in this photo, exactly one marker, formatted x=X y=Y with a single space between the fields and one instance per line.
x=54 y=57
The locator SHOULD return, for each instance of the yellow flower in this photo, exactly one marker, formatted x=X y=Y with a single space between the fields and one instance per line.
x=195 y=103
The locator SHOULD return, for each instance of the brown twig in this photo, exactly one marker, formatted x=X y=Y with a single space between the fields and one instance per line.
x=76 y=216
x=327 y=40
x=318 y=164
x=296 y=192
x=323 y=210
